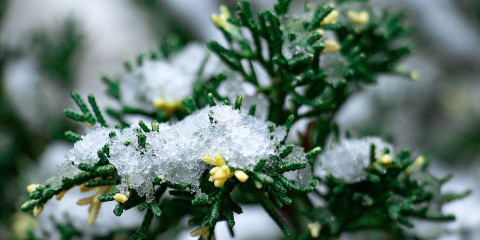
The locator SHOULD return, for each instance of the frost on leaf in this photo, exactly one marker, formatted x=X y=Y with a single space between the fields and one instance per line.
x=348 y=159
x=176 y=150
x=166 y=81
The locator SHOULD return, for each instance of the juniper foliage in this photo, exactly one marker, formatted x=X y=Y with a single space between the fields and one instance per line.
x=291 y=50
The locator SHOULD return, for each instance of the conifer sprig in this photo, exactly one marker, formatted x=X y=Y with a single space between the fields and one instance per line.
x=265 y=179
x=360 y=48
x=395 y=189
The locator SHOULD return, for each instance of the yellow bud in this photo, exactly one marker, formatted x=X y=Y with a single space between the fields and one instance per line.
x=160 y=177
x=208 y=160
x=159 y=103
x=241 y=175
x=219 y=161
x=219 y=182
x=22 y=224
x=94 y=208
x=199 y=231
x=225 y=169
x=214 y=170
x=221 y=20
x=414 y=75
x=168 y=106
x=330 y=18
x=219 y=174
x=121 y=198
x=420 y=161
x=155 y=126
x=320 y=31
x=385 y=159
x=314 y=229
x=331 y=46
x=37 y=210
x=32 y=187
x=85 y=201
x=258 y=185
x=216 y=20
x=83 y=188
x=358 y=18
x=224 y=12
x=61 y=194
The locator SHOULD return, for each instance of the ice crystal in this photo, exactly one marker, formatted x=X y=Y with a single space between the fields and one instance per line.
x=176 y=151
x=335 y=65
x=348 y=159
x=295 y=34
x=65 y=211
x=302 y=176
x=170 y=81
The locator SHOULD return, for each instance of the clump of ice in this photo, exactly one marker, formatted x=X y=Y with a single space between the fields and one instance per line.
x=64 y=170
x=171 y=80
x=335 y=66
x=301 y=176
x=86 y=149
x=348 y=159
x=295 y=34
x=233 y=87
x=176 y=150
x=65 y=211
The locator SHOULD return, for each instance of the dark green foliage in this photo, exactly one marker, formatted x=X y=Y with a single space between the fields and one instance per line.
x=302 y=69
x=390 y=196
x=96 y=110
x=87 y=116
x=72 y=137
x=238 y=102
x=58 y=55
x=113 y=89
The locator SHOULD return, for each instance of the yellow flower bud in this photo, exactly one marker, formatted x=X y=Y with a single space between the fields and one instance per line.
x=168 y=106
x=202 y=231
x=385 y=159
x=358 y=18
x=37 y=210
x=414 y=75
x=32 y=187
x=121 y=198
x=330 y=18
x=241 y=175
x=219 y=182
x=61 y=194
x=219 y=161
x=314 y=229
x=208 y=160
x=331 y=46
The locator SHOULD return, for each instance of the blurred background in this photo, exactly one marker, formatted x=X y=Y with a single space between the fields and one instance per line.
x=49 y=47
